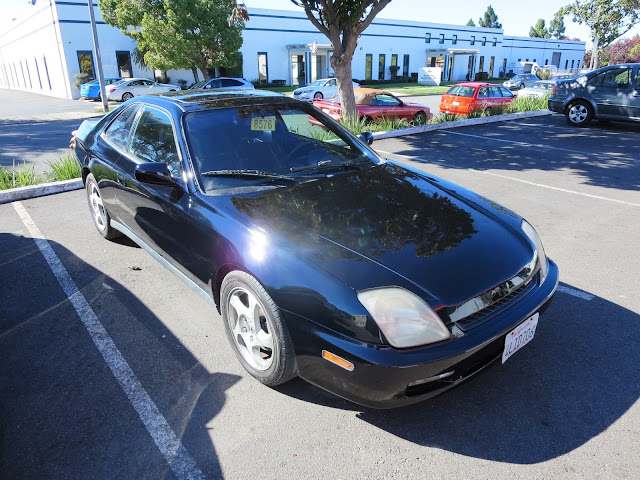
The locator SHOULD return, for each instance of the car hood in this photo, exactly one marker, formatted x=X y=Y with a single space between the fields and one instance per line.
x=386 y=225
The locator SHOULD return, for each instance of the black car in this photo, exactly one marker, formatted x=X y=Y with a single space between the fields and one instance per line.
x=379 y=283
x=609 y=93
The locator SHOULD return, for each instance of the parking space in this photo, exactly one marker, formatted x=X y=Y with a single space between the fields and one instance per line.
x=565 y=406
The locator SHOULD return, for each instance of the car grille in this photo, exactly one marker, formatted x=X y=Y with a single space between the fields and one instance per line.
x=481 y=308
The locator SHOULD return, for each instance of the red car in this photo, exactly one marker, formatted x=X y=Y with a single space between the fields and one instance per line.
x=375 y=105
x=464 y=98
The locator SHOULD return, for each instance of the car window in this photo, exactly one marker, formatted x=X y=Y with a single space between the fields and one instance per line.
x=229 y=82
x=148 y=82
x=331 y=83
x=483 y=92
x=118 y=131
x=153 y=139
x=506 y=92
x=638 y=80
x=495 y=92
x=215 y=83
x=266 y=138
x=461 y=91
x=614 y=78
x=385 y=100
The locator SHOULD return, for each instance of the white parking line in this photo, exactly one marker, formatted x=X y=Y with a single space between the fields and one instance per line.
x=541 y=185
x=183 y=466
x=575 y=293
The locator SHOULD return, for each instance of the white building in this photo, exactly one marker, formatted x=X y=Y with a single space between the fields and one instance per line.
x=43 y=52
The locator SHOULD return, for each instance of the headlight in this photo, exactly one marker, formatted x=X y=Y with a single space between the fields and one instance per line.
x=533 y=236
x=404 y=318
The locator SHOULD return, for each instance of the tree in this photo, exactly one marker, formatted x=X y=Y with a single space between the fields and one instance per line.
x=607 y=19
x=539 y=30
x=556 y=27
x=471 y=23
x=490 y=19
x=625 y=50
x=175 y=34
x=342 y=22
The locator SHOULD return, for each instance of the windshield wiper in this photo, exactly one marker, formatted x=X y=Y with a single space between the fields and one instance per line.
x=246 y=173
x=330 y=164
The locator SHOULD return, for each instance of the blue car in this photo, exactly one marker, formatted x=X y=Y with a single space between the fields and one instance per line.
x=92 y=89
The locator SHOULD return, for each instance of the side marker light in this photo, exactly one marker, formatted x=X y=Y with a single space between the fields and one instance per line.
x=341 y=362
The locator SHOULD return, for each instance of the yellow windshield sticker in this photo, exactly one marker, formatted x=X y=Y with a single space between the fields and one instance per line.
x=264 y=123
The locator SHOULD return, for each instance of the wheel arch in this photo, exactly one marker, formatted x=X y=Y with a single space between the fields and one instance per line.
x=575 y=98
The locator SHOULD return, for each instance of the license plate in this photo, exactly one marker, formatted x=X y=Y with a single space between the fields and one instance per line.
x=456 y=103
x=519 y=337
x=325 y=110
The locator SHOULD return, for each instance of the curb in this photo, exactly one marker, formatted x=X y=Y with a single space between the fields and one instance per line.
x=32 y=191
x=459 y=123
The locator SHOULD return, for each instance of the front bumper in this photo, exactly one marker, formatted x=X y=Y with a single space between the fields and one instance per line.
x=382 y=375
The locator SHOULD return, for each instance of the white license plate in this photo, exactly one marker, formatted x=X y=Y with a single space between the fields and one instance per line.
x=455 y=102
x=325 y=110
x=520 y=336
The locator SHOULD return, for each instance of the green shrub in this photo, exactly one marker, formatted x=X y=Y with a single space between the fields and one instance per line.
x=66 y=167
x=18 y=177
x=80 y=78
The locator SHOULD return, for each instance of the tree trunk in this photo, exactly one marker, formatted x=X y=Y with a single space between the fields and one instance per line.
x=342 y=69
x=205 y=73
x=194 y=70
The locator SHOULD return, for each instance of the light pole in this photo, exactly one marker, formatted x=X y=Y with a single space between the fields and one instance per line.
x=96 y=48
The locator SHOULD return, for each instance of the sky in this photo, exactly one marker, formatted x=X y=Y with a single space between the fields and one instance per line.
x=516 y=16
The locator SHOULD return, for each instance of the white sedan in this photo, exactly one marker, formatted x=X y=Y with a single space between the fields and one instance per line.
x=131 y=87
x=323 y=88
x=224 y=83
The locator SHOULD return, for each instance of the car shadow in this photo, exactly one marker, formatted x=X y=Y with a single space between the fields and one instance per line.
x=576 y=378
x=600 y=155
x=61 y=409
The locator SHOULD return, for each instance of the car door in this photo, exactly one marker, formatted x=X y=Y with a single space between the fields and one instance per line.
x=389 y=106
x=633 y=109
x=610 y=90
x=156 y=214
x=506 y=95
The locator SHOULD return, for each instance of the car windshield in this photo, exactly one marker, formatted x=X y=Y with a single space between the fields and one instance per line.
x=199 y=84
x=519 y=77
x=461 y=91
x=541 y=85
x=119 y=82
x=258 y=144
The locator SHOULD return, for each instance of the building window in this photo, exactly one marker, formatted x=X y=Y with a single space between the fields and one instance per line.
x=263 y=69
x=534 y=60
x=481 y=65
x=381 y=62
x=484 y=41
x=578 y=66
x=491 y=65
x=24 y=78
x=427 y=38
x=572 y=62
x=519 y=59
x=46 y=70
x=394 y=63
x=504 y=67
x=368 y=67
x=473 y=40
x=85 y=62
x=124 y=64
x=26 y=64
x=495 y=41
x=405 y=66
x=35 y=60
x=454 y=40
x=441 y=38
x=566 y=64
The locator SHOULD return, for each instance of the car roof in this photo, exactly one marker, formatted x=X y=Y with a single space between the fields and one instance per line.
x=192 y=100
x=477 y=84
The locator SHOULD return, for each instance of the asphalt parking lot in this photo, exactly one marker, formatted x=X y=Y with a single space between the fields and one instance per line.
x=138 y=381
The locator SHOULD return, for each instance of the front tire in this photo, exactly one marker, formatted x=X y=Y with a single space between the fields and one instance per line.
x=366 y=120
x=256 y=330
x=579 y=113
x=420 y=118
x=126 y=96
x=99 y=213
x=318 y=95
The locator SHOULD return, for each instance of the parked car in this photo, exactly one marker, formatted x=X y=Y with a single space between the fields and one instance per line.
x=132 y=87
x=92 y=89
x=374 y=105
x=324 y=88
x=223 y=83
x=609 y=93
x=325 y=260
x=521 y=81
x=557 y=78
x=467 y=97
x=537 y=89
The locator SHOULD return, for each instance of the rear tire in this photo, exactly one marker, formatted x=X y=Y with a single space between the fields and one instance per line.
x=579 y=113
x=366 y=120
x=487 y=112
x=99 y=213
x=420 y=118
x=126 y=96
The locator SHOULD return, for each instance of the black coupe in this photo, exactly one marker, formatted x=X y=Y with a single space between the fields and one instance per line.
x=382 y=284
